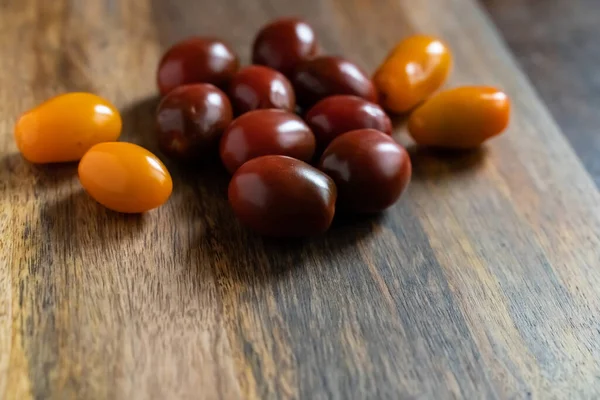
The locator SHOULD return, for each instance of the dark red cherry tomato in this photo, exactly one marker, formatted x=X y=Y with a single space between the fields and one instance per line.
x=266 y=132
x=190 y=121
x=369 y=169
x=335 y=115
x=281 y=196
x=257 y=87
x=326 y=76
x=196 y=60
x=283 y=44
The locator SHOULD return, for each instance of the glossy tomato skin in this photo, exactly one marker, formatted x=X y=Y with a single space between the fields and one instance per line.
x=266 y=132
x=259 y=87
x=412 y=72
x=125 y=177
x=327 y=76
x=190 y=121
x=64 y=127
x=336 y=115
x=283 y=44
x=282 y=197
x=369 y=169
x=461 y=118
x=197 y=60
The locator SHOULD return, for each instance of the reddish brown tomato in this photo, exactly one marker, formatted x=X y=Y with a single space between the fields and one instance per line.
x=326 y=76
x=266 y=132
x=281 y=196
x=197 y=60
x=257 y=87
x=336 y=115
x=283 y=44
x=369 y=169
x=190 y=121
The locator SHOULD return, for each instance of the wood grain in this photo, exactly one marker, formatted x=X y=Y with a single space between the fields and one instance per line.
x=555 y=42
x=481 y=283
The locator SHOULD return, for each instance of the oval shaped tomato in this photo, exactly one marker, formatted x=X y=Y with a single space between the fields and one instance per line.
x=64 y=127
x=460 y=118
x=125 y=177
x=414 y=69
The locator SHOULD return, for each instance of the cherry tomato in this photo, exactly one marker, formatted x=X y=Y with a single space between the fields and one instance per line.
x=266 y=132
x=282 y=196
x=197 y=60
x=283 y=44
x=460 y=118
x=190 y=121
x=125 y=177
x=256 y=87
x=415 y=68
x=336 y=115
x=326 y=76
x=64 y=127
x=369 y=169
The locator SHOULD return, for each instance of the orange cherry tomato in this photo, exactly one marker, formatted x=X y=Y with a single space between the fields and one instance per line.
x=125 y=177
x=460 y=118
x=413 y=70
x=65 y=127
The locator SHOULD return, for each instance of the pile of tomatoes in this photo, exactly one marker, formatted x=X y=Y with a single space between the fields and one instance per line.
x=302 y=133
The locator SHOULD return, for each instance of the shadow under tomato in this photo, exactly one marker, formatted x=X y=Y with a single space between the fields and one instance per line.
x=139 y=123
x=244 y=256
x=399 y=120
x=198 y=209
x=236 y=252
x=20 y=178
x=435 y=164
x=80 y=224
x=69 y=224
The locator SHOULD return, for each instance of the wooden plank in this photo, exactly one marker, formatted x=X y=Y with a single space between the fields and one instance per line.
x=556 y=44
x=481 y=283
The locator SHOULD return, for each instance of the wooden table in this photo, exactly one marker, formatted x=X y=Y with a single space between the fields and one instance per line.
x=556 y=43
x=483 y=281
